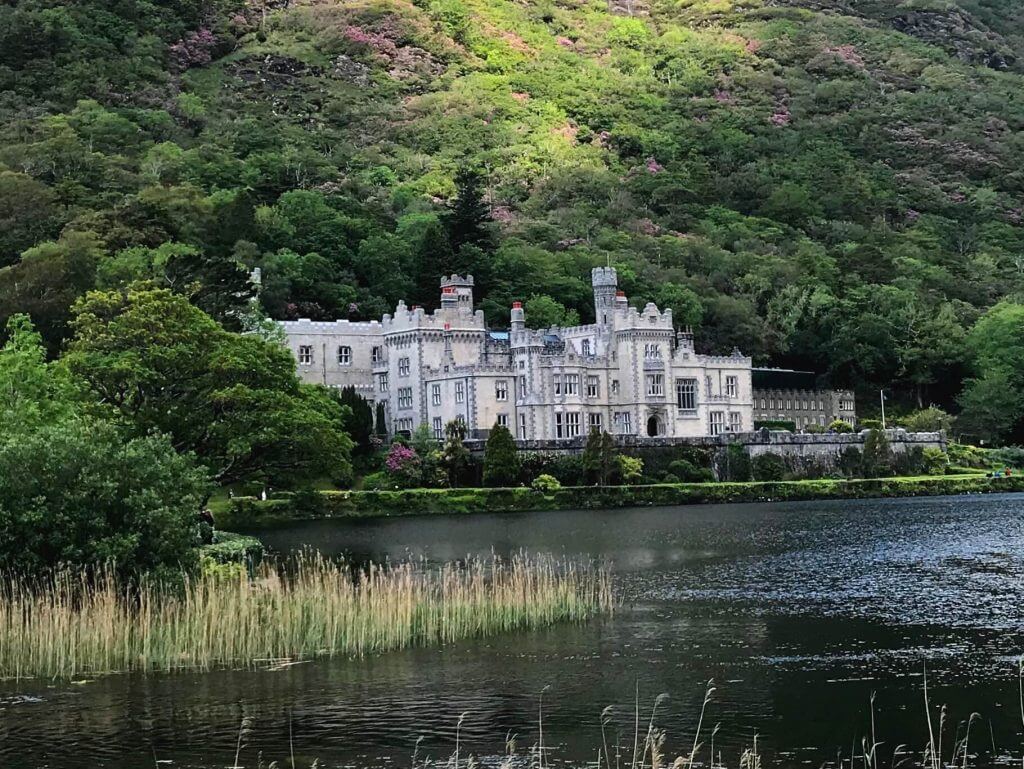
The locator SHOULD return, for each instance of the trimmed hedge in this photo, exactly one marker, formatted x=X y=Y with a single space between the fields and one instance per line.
x=369 y=504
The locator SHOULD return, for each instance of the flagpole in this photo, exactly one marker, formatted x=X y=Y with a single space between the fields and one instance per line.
x=881 y=397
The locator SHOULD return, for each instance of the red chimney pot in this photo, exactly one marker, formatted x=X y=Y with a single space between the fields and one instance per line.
x=517 y=305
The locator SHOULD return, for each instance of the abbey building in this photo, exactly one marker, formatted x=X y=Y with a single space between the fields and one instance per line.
x=630 y=373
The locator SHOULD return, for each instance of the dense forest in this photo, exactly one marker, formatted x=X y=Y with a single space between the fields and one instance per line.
x=826 y=184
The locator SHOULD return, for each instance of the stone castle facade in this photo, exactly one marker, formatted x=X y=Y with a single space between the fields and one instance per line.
x=630 y=373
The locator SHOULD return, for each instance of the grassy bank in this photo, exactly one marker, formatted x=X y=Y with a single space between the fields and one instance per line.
x=248 y=511
x=66 y=627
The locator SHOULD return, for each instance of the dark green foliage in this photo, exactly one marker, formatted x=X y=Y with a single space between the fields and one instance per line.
x=685 y=471
x=877 y=458
x=249 y=511
x=455 y=459
x=599 y=457
x=380 y=420
x=229 y=547
x=768 y=467
x=735 y=464
x=501 y=462
x=850 y=462
x=358 y=420
x=78 y=494
x=235 y=401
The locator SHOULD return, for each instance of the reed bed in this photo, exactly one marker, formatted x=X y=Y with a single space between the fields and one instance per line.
x=72 y=624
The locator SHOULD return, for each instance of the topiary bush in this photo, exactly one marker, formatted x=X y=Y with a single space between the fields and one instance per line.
x=687 y=472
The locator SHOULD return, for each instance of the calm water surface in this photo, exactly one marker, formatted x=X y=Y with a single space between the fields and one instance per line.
x=798 y=612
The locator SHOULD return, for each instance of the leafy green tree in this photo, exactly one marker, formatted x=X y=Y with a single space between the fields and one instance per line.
x=990 y=406
x=599 y=457
x=501 y=460
x=544 y=312
x=234 y=400
x=992 y=403
x=77 y=494
x=631 y=469
x=74 y=491
x=28 y=214
x=931 y=419
x=47 y=281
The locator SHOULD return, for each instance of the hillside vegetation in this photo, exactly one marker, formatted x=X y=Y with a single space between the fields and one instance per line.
x=824 y=184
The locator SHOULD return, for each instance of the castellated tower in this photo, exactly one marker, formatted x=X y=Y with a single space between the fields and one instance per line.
x=605 y=282
x=457 y=293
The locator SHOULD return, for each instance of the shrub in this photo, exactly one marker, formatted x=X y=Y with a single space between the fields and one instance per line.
x=929 y=420
x=871 y=424
x=229 y=547
x=839 y=426
x=378 y=482
x=935 y=461
x=631 y=469
x=403 y=465
x=736 y=464
x=965 y=455
x=687 y=472
x=876 y=460
x=545 y=484
x=1009 y=456
x=850 y=462
x=768 y=467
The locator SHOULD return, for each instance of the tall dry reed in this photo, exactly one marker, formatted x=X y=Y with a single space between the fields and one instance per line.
x=70 y=625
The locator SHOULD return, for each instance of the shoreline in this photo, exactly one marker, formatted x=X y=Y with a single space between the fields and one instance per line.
x=250 y=511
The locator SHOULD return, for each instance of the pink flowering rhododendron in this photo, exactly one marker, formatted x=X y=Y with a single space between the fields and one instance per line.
x=193 y=50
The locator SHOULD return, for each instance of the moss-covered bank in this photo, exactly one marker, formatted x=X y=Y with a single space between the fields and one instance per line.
x=244 y=511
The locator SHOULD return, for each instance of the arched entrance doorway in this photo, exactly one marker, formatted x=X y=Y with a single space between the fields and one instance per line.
x=655 y=426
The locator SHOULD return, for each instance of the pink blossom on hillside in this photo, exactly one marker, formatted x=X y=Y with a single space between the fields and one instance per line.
x=653 y=166
x=753 y=45
x=519 y=96
x=847 y=54
x=379 y=44
x=722 y=96
x=193 y=50
x=502 y=214
x=781 y=117
x=565 y=42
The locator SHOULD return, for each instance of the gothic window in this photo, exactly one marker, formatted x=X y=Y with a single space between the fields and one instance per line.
x=344 y=355
x=522 y=426
x=623 y=423
x=460 y=392
x=652 y=351
x=594 y=421
x=585 y=347
x=593 y=387
x=717 y=422
x=686 y=394
x=731 y=386
x=376 y=354
x=656 y=384
x=501 y=389
x=403 y=367
x=735 y=422
x=438 y=429
x=405 y=397
x=435 y=394
x=503 y=420
x=382 y=380
x=572 y=384
x=305 y=354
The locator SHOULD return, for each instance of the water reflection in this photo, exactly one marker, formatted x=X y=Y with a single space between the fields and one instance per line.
x=797 y=611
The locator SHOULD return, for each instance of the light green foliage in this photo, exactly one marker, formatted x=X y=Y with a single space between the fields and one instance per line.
x=839 y=426
x=931 y=419
x=544 y=312
x=935 y=461
x=501 y=461
x=993 y=401
x=545 y=484
x=631 y=469
x=33 y=393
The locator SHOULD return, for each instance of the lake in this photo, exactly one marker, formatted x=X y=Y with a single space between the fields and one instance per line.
x=796 y=611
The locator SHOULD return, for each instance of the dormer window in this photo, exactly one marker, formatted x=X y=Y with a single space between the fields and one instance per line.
x=585 y=347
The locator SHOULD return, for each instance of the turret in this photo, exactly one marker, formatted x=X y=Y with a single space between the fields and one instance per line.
x=605 y=281
x=457 y=293
x=518 y=316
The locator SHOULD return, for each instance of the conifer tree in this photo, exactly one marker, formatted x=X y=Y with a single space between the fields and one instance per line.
x=599 y=457
x=501 y=462
x=454 y=455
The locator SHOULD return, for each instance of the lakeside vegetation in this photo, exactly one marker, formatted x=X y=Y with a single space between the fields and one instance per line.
x=75 y=623
x=249 y=511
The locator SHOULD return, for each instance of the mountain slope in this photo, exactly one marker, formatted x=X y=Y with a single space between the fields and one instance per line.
x=832 y=185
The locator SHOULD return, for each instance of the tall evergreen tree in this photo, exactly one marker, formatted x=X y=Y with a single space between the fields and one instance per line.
x=454 y=455
x=501 y=462
x=470 y=215
x=358 y=420
x=599 y=457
